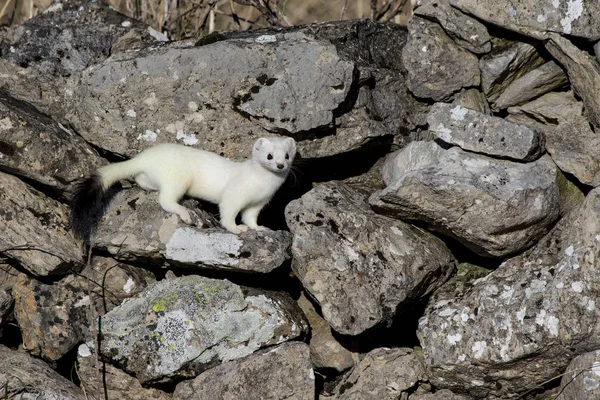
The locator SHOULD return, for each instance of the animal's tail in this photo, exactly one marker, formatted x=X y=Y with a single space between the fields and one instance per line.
x=91 y=196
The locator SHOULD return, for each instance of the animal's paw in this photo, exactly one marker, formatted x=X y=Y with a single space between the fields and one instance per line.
x=185 y=217
x=237 y=229
x=260 y=228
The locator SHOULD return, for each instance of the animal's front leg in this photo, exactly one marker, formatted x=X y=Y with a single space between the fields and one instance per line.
x=229 y=208
x=250 y=216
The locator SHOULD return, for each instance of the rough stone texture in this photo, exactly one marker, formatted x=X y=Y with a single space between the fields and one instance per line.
x=8 y=276
x=507 y=62
x=34 y=230
x=546 y=111
x=69 y=36
x=583 y=71
x=466 y=31
x=6 y=302
x=285 y=374
x=135 y=227
x=180 y=327
x=359 y=266
x=432 y=59
x=508 y=319
x=34 y=146
x=473 y=99
x=549 y=76
x=575 y=148
x=24 y=377
x=325 y=351
x=494 y=207
x=537 y=18
x=119 y=385
x=481 y=133
x=221 y=95
x=582 y=378
x=50 y=331
x=384 y=374
x=443 y=394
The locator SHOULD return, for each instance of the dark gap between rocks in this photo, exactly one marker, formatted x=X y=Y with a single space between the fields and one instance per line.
x=10 y=336
x=65 y=366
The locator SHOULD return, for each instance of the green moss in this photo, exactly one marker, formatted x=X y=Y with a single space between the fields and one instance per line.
x=161 y=305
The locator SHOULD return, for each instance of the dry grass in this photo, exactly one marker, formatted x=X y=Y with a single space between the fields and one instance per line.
x=189 y=18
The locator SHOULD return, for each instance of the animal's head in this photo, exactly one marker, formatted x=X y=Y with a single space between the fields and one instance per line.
x=275 y=154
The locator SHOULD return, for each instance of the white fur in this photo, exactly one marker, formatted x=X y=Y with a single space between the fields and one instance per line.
x=175 y=170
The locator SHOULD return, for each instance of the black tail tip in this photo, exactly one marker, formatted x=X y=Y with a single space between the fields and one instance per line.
x=88 y=203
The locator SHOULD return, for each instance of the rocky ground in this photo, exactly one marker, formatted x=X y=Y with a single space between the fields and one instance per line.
x=437 y=240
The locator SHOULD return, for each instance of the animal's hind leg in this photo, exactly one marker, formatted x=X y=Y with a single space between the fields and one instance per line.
x=168 y=198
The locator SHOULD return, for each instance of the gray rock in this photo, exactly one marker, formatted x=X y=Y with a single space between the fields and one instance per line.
x=547 y=77
x=432 y=59
x=8 y=276
x=524 y=322
x=34 y=146
x=466 y=31
x=473 y=99
x=280 y=373
x=582 y=378
x=359 y=266
x=583 y=71
x=494 y=207
x=24 y=377
x=221 y=96
x=69 y=36
x=443 y=394
x=135 y=227
x=546 y=111
x=575 y=148
x=505 y=64
x=118 y=384
x=34 y=230
x=325 y=351
x=177 y=328
x=50 y=331
x=537 y=19
x=481 y=133
x=6 y=302
x=384 y=374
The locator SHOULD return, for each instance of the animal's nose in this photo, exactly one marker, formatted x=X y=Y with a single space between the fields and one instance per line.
x=280 y=166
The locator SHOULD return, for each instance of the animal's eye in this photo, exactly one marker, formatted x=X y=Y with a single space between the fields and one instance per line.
x=270 y=157
x=287 y=156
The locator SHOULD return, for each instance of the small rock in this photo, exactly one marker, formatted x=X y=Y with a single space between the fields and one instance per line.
x=494 y=207
x=118 y=384
x=384 y=374
x=360 y=266
x=581 y=380
x=35 y=230
x=575 y=148
x=546 y=111
x=466 y=31
x=505 y=64
x=135 y=227
x=583 y=71
x=473 y=99
x=432 y=59
x=474 y=131
x=177 y=328
x=24 y=377
x=278 y=373
x=535 y=83
x=325 y=351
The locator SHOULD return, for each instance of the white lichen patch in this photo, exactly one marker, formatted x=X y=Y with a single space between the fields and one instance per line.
x=53 y=8
x=458 y=113
x=591 y=305
x=541 y=18
x=174 y=332
x=188 y=139
x=536 y=286
x=84 y=351
x=161 y=37
x=590 y=383
x=214 y=248
x=479 y=349
x=574 y=11
x=262 y=39
x=552 y=325
x=152 y=100
x=148 y=136
x=569 y=251
x=131 y=113
x=129 y=285
x=577 y=286
x=5 y=124
x=521 y=314
x=447 y=312
x=453 y=339
x=126 y=24
x=83 y=302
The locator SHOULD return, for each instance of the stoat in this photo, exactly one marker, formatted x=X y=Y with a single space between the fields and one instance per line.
x=175 y=170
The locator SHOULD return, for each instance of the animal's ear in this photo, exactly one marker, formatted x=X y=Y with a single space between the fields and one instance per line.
x=259 y=144
x=291 y=143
